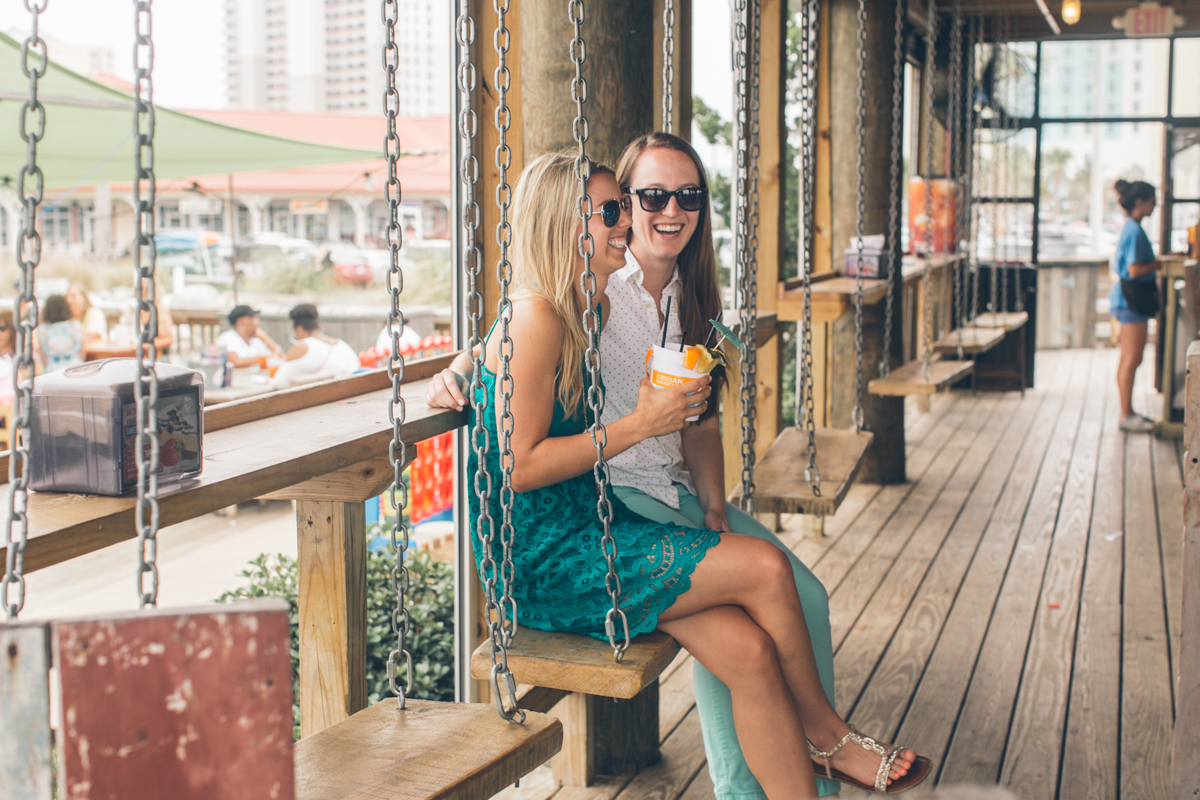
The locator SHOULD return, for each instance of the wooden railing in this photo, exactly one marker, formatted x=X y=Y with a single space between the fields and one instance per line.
x=325 y=446
x=1187 y=711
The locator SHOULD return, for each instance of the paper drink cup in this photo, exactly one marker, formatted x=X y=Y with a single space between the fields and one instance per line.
x=665 y=367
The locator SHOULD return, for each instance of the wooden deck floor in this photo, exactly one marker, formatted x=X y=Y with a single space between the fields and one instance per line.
x=1012 y=611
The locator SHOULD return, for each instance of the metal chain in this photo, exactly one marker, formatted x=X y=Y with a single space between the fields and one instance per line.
x=668 y=76
x=926 y=290
x=591 y=324
x=749 y=305
x=1007 y=184
x=972 y=167
x=860 y=210
x=144 y=256
x=994 y=183
x=893 y=244
x=398 y=494
x=805 y=395
x=1015 y=258
x=503 y=627
x=954 y=115
x=29 y=255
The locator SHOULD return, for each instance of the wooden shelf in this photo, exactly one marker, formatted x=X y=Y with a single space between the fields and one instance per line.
x=908 y=379
x=429 y=750
x=832 y=295
x=972 y=340
x=779 y=482
x=1009 y=322
x=577 y=663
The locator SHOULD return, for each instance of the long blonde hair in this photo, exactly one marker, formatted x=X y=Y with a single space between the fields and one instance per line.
x=545 y=249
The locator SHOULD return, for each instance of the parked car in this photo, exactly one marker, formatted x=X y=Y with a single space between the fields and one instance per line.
x=349 y=263
x=197 y=253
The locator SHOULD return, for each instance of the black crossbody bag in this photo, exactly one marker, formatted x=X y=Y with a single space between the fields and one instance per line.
x=1142 y=296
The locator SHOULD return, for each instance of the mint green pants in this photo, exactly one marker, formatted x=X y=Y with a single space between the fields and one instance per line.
x=732 y=779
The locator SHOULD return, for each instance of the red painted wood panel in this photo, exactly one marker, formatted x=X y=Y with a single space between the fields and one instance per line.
x=177 y=704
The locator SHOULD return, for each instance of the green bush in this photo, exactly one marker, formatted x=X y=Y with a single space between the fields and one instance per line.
x=430 y=606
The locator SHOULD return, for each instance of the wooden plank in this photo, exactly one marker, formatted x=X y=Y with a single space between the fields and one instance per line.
x=193 y=703
x=832 y=296
x=239 y=412
x=1009 y=321
x=910 y=378
x=795 y=531
x=332 y=603
x=25 y=760
x=1168 y=493
x=1089 y=753
x=865 y=530
x=538 y=698
x=780 y=485
x=1031 y=767
x=676 y=699
x=974 y=340
x=853 y=593
x=682 y=759
x=578 y=663
x=537 y=785
x=1187 y=721
x=357 y=483
x=1146 y=706
x=701 y=788
x=891 y=686
x=872 y=601
x=935 y=705
x=977 y=749
x=240 y=464
x=450 y=751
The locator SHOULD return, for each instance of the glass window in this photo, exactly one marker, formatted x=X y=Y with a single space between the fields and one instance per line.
x=1003 y=232
x=1079 y=215
x=1004 y=163
x=1185 y=163
x=1183 y=216
x=1133 y=86
x=1186 y=100
x=1007 y=78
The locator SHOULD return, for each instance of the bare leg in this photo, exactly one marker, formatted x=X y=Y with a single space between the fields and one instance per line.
x=748 y=572
x=741 y=654
x=1133 y=344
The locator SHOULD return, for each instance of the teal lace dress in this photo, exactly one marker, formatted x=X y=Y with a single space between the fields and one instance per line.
x=560 y=568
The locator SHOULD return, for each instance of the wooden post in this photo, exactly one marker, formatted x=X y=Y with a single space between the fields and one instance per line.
x=619 y=44
x=25 y=768
x=575 y=764
x=1187 y=712
x=681 y=91
x=333 y=612
x=884 y=462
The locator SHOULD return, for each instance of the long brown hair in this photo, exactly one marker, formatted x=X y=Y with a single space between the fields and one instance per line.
x=545 y=252
x=699 y=297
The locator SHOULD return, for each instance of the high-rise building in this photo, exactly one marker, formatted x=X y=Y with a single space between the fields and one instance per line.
x=324 y=55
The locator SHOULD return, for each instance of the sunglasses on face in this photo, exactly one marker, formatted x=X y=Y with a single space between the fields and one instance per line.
x=610 y=212
x=654 y=200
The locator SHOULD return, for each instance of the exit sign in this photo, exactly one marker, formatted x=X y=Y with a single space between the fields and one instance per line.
x=1148 y=19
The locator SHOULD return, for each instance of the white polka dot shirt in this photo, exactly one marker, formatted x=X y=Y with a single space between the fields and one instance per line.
x=652 y=465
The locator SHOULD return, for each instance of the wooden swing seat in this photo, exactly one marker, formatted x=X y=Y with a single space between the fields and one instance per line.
x=1009 y=322
x=780 y=487
x=908 y=379
x=971 y=340
x=450 y=751
x=572 y=662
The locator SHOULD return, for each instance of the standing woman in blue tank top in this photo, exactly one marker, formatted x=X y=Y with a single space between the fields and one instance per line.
x=1134 y=297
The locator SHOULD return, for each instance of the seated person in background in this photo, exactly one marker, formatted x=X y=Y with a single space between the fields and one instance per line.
x=92 y=319
x=409 y=338
x=8 y=349
x=314 y=356
x=59 y=338
x=244 y=342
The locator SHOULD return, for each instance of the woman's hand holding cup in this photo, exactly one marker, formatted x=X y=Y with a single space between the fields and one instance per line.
x=663 y=410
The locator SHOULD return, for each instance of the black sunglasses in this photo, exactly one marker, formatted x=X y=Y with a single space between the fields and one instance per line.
x=654 y=200
x=610 y=212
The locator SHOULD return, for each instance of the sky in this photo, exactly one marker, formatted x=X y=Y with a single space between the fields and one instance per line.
x=188 y=67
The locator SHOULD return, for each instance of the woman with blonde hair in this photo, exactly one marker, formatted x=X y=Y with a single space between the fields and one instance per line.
x=738 y=612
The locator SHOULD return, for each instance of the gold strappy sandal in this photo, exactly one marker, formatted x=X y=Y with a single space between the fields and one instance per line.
x=888 y=754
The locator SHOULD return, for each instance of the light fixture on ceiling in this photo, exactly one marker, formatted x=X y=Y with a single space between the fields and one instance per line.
x=1070 y=11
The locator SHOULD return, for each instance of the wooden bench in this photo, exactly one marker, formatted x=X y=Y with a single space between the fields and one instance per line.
x=969 y=341
x=780 y=486
x=1009 y=321
x=909 y=379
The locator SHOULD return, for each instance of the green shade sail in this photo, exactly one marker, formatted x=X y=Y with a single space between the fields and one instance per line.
x=89 y=135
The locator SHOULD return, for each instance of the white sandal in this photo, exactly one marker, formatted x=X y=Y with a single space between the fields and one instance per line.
x=921 y=766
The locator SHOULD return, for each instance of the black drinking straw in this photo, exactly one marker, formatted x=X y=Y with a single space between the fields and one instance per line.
x=711 y=330
x=667 y=320
x=683 y=339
